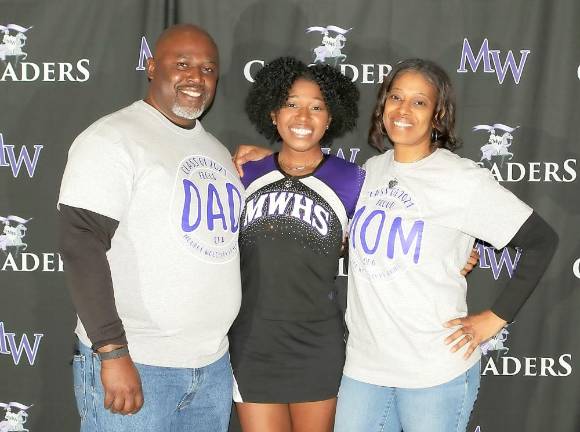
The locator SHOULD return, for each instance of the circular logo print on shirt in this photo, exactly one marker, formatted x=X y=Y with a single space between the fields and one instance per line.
x=206 y=208
x=386 y=232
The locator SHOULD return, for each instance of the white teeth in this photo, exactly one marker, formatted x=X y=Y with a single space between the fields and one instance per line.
x=402 y=124
x=301 y=131
x=191 y=93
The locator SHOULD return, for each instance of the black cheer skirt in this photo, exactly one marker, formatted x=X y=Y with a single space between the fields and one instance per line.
x=277 y=361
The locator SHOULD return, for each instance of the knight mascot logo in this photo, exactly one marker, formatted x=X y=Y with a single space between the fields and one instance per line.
x=14 y=67
x=498 y=144
x=14 y=421
x=12 y=44
x=496 y=343
x=12 y=236
x=332 y=45
x=498 y=156
x=14 y=254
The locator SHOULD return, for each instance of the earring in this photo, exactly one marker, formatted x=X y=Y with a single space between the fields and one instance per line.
x=435 y=135
x=274 y=122
x=327 y=126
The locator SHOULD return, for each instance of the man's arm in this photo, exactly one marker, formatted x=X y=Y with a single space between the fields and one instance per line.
x=85 y=237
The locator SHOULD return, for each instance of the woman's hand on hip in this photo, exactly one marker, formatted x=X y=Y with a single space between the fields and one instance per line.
x=473 y=330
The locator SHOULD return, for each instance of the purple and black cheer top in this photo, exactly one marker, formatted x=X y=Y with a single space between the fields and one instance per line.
x=291 y=235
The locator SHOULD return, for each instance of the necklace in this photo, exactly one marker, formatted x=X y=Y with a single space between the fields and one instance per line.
x=289 y=167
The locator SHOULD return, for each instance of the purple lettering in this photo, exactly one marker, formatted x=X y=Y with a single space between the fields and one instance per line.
x=363 y=230
x=213 y=197
x=3 y=347
x=232 y=205
x=7 y=151
x=510 y=63
x=467 y=55
x=504 y=259
x=353 y=226
x=144 y=54
x=24 y=345
x=415 y=235
x=185 y=216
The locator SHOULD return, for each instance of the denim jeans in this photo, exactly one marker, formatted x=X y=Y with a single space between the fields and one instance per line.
x=176 y=399
x=446 y=407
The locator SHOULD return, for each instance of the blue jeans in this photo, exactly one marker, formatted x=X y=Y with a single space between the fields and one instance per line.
x=446 y=407
x=176 y=399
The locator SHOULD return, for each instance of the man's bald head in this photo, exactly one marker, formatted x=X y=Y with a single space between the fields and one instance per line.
x=169 y=35
x=183 y=73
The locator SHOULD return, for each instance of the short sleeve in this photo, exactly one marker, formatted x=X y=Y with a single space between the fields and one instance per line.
x=494 y=214
x=98 y=174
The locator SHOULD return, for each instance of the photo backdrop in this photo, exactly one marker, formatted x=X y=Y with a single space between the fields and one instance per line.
x=516 y=69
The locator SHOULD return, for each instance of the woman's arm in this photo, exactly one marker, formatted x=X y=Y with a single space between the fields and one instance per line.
x=537 y=241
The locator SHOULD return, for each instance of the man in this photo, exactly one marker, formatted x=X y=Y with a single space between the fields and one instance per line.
x=149 y=208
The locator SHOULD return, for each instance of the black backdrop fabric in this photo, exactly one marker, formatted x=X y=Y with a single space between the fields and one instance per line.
x=516 y=69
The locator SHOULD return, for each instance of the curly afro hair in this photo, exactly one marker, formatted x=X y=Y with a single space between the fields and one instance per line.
x=273 y=82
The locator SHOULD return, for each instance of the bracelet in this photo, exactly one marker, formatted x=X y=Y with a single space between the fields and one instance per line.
x=116 y=353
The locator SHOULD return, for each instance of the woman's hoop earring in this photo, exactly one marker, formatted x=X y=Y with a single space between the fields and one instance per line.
x=435 y=135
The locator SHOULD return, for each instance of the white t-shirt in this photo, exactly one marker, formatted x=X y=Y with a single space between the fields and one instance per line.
x=411 y=234
x=174 y=258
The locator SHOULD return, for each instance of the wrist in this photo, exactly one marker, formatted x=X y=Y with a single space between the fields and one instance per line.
x=110 y=352
x=497 y=318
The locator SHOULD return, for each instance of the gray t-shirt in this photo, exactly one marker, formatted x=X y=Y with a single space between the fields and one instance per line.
x=412 y=231
x=174 y=258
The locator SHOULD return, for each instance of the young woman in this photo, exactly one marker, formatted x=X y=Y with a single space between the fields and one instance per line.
x=413 y=353
x=287 y=344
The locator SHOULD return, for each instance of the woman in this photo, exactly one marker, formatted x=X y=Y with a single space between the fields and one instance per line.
x=413 y=353
x=287 y=344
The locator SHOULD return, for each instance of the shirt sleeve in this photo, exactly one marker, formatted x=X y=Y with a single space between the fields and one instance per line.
x=537 y=241
x=493 y=213
x=84 y=239
x=99 y=173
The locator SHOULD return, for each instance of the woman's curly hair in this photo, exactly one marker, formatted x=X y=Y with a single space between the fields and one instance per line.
x=443 y=134
x=273 y=82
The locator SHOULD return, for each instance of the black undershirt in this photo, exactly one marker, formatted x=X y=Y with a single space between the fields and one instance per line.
x=85 y=237
x=537 y=241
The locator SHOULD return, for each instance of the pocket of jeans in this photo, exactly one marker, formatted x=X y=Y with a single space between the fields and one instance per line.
x=80 y=384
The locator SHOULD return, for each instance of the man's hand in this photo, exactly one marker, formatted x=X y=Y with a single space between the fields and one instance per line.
x=473 y=329
x=122 y=384
x=245 y=153
x=471 y=262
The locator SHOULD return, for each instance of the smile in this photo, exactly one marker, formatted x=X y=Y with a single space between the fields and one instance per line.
x=301 y=132
x=401 y=124
x=190 y=92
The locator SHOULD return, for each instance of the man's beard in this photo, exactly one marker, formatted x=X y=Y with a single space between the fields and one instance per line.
x=189 y=113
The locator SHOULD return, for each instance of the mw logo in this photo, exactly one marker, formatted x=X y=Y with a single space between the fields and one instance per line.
x=492 y=62
x=9 y=346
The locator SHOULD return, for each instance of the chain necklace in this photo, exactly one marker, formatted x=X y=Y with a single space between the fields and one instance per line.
x=297 y=169
x=289 y=168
